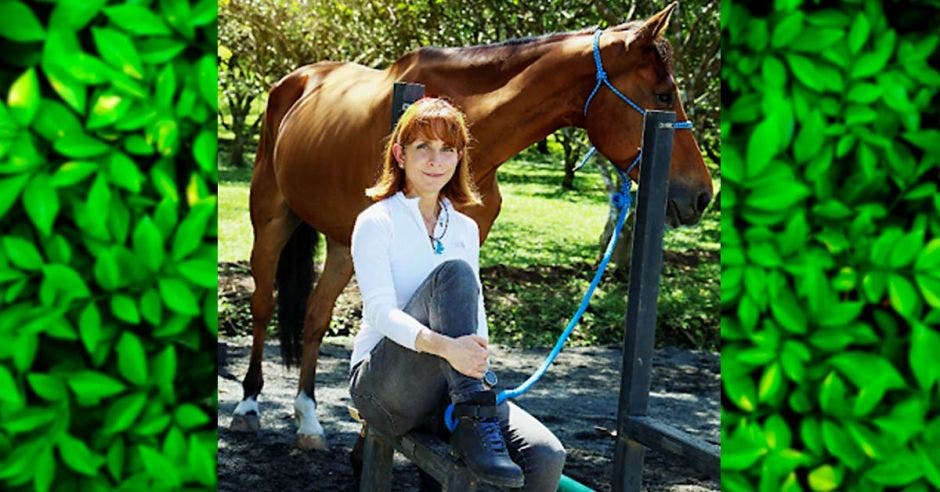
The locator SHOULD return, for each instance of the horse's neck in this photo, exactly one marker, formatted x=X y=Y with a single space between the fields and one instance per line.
x=514 y=96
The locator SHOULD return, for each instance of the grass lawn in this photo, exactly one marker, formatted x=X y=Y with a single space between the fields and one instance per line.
x=540 y=257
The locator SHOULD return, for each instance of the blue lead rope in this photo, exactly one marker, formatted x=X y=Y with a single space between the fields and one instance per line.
x=621 y=200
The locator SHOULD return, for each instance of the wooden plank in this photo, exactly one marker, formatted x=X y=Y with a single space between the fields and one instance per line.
x=702 y=455
x=376 y=463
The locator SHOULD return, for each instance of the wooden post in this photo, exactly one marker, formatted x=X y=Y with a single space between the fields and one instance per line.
x=642 y=295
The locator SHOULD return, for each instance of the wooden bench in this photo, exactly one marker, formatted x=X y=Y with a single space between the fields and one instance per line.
x=422 y=448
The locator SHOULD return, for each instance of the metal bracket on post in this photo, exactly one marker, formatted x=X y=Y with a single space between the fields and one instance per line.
x=645 y=267
x=403 y=95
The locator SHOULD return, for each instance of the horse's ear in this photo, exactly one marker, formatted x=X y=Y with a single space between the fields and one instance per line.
x=655 y=25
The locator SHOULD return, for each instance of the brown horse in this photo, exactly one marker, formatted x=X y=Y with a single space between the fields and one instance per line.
x=323 y=135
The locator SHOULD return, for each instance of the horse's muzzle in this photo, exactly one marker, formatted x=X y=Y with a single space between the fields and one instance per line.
x=685 y=204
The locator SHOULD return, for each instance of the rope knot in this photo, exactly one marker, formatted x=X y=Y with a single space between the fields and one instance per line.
x=621 y=199
x=601 y=75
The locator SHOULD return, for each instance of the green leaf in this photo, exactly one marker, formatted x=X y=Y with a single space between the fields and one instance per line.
x=117 y=49
x=159 y=50
x=124 y=173
x=811 y=137
x=21 y=23
x=832 y=395
x=74 y=16
x=925 y=345
x=10 y=191
x=73 y=92
x=900 y=468
x=207 y=74
x=123 y=412
x=150 y=307
x=166 y=134
x=191 y=231
x=106 y=270
x=136 y=19
x=125 y=309
x=867 y=370
x=930 y=288
x=89 y=327
x=839 y=445
x=740 y=390
x=132 y=359
x=825 y=478
x=868 y=64
x=859 y=33
x=189 y=416
x=24 y=96
x=864 y=93
x=22 y=253
x=771 y=383
x=108 y=108
x=29 y=419
x=73 y=172
x=788 y=312
x=905 y=420
x=163 y=368
x=46 y=386
x=45 y=470
x=148 y=244
x=77 y=456
x=9 y=391
x=54 y=121
x=762 y=146
x=42 y=203
x=178 y=297
x=61 y=285
x=787 y=29
x=91 y=386
x=202 y=273
x=903 y=297
x=79 y=146
x=205 y=149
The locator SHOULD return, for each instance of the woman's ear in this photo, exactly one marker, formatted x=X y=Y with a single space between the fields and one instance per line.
x=399 y=152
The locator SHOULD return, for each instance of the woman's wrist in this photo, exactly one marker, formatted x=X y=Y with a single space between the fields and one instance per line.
x=432 y=342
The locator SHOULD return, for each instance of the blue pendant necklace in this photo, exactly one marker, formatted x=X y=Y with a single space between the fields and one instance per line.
x=436 y=242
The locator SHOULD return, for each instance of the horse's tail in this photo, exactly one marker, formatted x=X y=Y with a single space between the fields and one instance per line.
x=295 y=272
x=295 y=276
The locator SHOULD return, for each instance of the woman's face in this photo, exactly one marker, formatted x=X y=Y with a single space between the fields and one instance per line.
x=428 y=165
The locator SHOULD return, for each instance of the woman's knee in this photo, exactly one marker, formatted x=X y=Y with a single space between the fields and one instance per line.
x=455 y=270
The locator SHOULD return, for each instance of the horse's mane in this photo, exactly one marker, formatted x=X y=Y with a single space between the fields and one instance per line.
x=502 y=48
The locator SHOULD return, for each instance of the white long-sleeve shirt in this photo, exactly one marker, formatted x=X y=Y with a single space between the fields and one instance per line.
x=392 y=256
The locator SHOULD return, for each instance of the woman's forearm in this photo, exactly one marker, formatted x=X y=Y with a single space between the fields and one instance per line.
x=432 y=342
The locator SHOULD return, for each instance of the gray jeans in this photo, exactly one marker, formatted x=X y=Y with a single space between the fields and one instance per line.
x=397 y=389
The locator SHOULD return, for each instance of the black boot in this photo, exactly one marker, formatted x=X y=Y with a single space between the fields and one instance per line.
x=478 y=440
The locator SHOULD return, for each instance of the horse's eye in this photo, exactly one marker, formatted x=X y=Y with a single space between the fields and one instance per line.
x=665 y=98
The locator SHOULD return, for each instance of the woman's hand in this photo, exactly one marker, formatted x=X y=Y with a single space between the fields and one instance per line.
x=468 y=355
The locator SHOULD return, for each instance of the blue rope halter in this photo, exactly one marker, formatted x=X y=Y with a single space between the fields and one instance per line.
x=603 y=80
x=622 y=201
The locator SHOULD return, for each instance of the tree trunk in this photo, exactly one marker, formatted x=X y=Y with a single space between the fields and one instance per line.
x=236 y=156
x=542 y=146
x=568 y=182
x=624 y=249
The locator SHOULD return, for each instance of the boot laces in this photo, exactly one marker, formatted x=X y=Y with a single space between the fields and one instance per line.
x=491 y=434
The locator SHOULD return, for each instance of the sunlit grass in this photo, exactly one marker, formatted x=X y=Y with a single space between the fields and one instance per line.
x=541 y=254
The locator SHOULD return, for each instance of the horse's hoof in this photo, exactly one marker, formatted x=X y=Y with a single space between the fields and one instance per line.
x=246 y=423
x=309 y=442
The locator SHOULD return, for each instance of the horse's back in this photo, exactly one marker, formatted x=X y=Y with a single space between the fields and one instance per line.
x=329 y=142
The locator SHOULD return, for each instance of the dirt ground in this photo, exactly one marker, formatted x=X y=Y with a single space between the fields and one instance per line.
x=577 y=400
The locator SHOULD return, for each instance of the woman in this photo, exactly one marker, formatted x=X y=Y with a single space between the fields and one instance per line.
x=423 y=340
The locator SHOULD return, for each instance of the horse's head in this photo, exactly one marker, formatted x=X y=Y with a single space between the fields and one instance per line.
x=638 y=63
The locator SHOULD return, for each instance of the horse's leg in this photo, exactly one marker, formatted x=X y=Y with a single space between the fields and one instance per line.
x=336 y=273
x=270 y=237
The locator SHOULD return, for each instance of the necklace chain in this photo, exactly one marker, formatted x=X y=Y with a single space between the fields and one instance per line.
x=436 y=240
